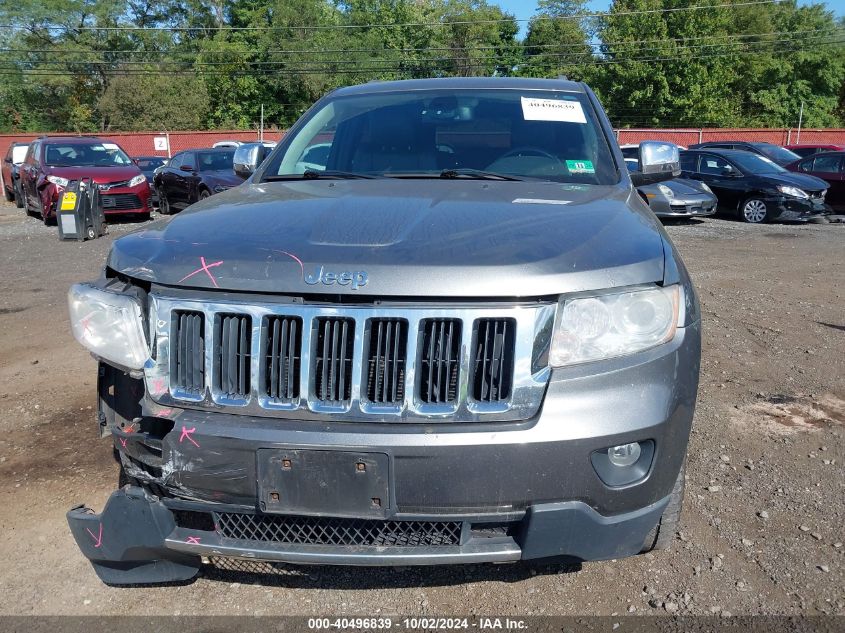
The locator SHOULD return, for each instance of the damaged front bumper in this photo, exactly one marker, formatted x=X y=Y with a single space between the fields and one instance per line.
x=137 y=538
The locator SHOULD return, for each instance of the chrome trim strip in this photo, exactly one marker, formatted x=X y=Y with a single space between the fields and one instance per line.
x=526 y=395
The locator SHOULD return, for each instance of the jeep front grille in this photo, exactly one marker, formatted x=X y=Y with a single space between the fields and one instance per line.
x=441 y=341
x=333 y=360
x=187 y=368
x=386 y=360
x=299 y=530
x=493 y=359
x=282 y=359
x=232 y=342
x=351 y=363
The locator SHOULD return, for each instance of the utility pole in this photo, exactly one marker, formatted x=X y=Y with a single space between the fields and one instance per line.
x=261 y=129
x=800 y=120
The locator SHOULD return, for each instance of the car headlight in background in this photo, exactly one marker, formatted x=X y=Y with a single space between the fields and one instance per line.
x=137 y=180
x=58 y=180
x=108 y=324
x=608 y=325
x=221 y=188
x=666 y=191
x=704 y=186
x=795 y=192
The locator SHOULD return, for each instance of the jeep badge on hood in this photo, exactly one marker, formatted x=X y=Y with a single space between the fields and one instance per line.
x=355 y=280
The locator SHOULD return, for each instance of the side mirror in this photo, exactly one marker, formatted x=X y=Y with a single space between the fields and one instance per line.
x=658 y=162
x=186 y=168
x=247 y=159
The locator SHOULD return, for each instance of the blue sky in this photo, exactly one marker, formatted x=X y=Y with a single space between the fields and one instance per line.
x=524 y=9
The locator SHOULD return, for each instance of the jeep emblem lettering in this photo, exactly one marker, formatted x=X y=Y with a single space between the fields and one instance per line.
x=355 y=280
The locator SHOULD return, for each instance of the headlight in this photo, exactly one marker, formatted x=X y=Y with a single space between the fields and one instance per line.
x=604 y=326
x=666 y=191
x=58 y=180
x=704 y=186
x=137 y=180
x=220 y=188
x=108 y=324
x=795 y=192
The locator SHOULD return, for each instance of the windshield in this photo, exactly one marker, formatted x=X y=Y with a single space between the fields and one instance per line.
x=779 y=154
x=216 y=161
x=756 y=164
x=149 y=164
x=85 y=155
x=533 y=134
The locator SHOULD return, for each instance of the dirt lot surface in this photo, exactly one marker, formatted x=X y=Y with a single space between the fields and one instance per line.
x=762 y=525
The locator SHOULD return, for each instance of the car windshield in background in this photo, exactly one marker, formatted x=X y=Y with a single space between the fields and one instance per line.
x=515 y=134
x=756 y=164
x=85 y=155
x=777 y=153
x=216 y=161
x=149 y=164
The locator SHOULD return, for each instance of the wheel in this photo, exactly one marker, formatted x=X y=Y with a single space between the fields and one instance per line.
x=18 y=196
x=91 y=233
x=205 y=193
x=9 y=195
x=661 y=535
x=754 y=211
x=163 y=203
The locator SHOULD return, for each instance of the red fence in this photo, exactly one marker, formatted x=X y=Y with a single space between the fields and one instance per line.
x=778 y=136
x=144 y=143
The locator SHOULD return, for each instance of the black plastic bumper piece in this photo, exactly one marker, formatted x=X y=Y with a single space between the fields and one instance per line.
x=125 y=543
x=136 y=541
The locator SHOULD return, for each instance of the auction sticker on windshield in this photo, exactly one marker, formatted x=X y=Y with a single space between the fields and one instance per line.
x=580 y=167
x=534 y=109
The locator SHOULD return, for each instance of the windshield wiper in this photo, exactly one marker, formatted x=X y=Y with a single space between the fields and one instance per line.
x=475 y=173
x=313 y=174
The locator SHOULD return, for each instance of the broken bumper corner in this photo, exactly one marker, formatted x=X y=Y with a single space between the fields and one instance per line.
x=126 y=542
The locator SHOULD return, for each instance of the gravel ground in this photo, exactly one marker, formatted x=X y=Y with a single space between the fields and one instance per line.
x=762 y=526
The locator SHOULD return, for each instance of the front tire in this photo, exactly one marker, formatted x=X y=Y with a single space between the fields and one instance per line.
x=163 y=203
x=754 y=211
x=205 y=193
x=663 y=533
x=9 y=195
x=18 y=196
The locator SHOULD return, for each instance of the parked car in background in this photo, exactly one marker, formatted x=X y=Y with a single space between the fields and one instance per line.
x=676 y=198
x=148 y=166
x=10 y=172
x=193 y=175
x=830 y=167
x=754 y=187
x=52 y=162
x=778 y=154
x=232 y=144
x=810 y=149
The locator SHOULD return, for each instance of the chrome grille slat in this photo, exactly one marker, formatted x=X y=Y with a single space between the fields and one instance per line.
x=270 y=391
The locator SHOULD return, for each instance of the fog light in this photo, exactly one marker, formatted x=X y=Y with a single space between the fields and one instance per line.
x=624 y=454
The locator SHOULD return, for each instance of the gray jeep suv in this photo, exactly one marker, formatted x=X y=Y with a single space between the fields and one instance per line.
x=454 y=334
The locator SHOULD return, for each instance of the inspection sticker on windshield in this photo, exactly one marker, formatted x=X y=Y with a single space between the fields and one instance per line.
x=580 y=167
x=552 y=110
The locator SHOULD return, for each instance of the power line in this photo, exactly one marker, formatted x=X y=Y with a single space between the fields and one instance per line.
x=384 y=69
x=593 y=45
x=445 y=22
x=321 y=64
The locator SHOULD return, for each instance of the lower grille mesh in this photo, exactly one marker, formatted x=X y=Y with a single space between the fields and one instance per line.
x=336 y=531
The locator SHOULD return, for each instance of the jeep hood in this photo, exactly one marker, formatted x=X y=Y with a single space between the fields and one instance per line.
x=409 y=237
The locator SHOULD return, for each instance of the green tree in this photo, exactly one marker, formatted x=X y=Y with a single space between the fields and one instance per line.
x=557 y=41
x=154 y=102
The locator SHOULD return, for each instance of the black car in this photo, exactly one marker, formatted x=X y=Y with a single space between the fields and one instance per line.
x=780 y=155
x=148 y=166
x=755 y=187
x=193 y=175
x=11 y=172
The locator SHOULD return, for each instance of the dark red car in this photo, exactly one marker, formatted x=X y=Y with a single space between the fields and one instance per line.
x=808 y=149
x=830 y=167
x=53 y=161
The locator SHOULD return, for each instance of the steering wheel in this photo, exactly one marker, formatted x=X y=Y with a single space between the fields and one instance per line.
x=530 y=151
